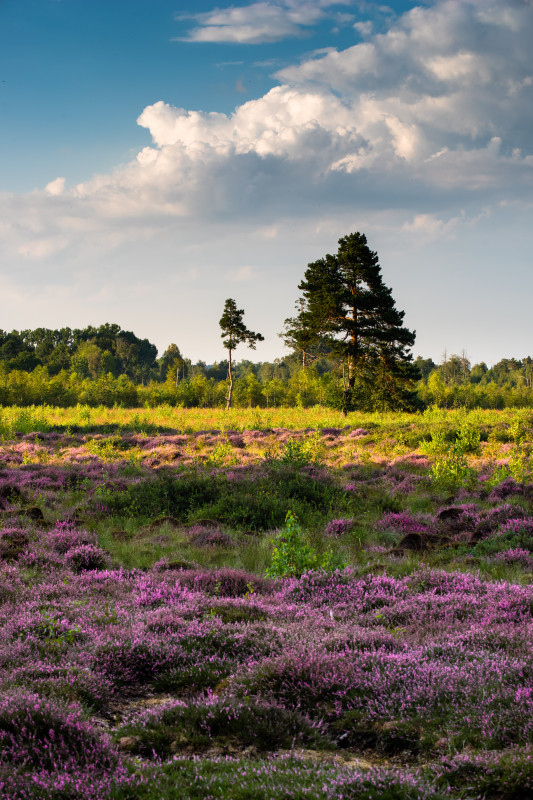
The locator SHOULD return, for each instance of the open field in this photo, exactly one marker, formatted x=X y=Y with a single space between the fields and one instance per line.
x=265 y=603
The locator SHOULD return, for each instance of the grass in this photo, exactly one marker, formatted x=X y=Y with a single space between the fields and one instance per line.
x=288 y=776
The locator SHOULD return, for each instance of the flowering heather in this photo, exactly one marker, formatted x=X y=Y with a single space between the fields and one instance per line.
x=495 y=517
x=86 y=557
x=517 y=526
x=47 y=735
x=338 y=527
x=47 y=749
x=515 y=556
x=64 y=537
x=401 y=484
x=374 y=660
x=351 y=487
x=207 y=536
x=504 y=775
x=164 y=677
x=263 y=725
x=507 y=488
x=402 y=522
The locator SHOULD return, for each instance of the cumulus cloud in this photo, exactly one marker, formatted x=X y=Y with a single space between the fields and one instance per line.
x=427 y=227
x=364 y=28
x=55 y=187
x=439 y=104
x=257 y=23
x=432 y=115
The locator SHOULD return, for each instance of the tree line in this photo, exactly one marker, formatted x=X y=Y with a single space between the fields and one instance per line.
x=88 y=352
x=267 y=384
x=350 y=350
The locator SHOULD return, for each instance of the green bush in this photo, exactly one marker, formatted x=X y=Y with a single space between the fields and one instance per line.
x=297 y=453
x=245 y=509
x=444 y=440
x=256 y=503
x=451 y=471
x=293 y=555
x=164 y=495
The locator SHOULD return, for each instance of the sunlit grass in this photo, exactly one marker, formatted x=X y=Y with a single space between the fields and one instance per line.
x=27 y=419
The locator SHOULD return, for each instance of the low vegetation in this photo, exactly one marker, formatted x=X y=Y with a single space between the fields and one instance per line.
x=265 y=604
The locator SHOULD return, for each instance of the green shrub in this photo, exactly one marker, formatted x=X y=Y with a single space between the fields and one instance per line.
x=469 y=438
x=164 y=495
x=245 y=509
x=108 y=447
x=443 y=440
x=222 y=454
x=451 y=471
x=293 y=555
x=297 y=453
x=256 y=503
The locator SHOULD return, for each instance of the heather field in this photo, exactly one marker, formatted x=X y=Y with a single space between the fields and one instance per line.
x=265 y=604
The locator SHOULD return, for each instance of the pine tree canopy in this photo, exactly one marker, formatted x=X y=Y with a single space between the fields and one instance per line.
x=347 y=307
x=234 y=329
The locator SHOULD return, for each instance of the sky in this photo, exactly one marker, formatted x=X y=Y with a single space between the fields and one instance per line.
x=158 y=157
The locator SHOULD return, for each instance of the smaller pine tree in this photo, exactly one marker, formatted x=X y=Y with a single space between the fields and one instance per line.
x=235 y=332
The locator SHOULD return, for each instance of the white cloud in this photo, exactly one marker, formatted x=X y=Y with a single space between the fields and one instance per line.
x=429 y=227
x=55 y=187
x=257 y=23
x=461 y=68
x=440 y=104
x=364 y=28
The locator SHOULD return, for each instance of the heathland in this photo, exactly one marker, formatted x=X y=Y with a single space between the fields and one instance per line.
x=265 y=603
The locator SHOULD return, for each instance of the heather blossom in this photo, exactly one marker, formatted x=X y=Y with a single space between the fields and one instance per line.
x=415 y=663
x=338 y=527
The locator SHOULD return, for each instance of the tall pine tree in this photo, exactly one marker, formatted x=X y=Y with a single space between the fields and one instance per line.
x=347 y=307
x=235 y=332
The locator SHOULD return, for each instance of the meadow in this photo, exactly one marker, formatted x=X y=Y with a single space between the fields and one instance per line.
x=265 y=603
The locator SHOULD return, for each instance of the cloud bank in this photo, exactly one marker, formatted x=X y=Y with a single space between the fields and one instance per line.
x=443 y=100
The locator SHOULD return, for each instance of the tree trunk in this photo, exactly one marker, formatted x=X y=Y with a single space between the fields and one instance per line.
x=351 y=371
x=346 y=394
x=352 y=355
x=230 y=387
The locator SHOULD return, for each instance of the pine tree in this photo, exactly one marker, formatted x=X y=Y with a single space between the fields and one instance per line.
x=235 y=332
x=347 y=307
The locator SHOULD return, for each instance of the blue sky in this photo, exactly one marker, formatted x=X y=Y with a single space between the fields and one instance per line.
x=158 y=157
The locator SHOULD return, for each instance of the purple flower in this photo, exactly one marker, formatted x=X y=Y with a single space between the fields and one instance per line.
x=338 y=527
